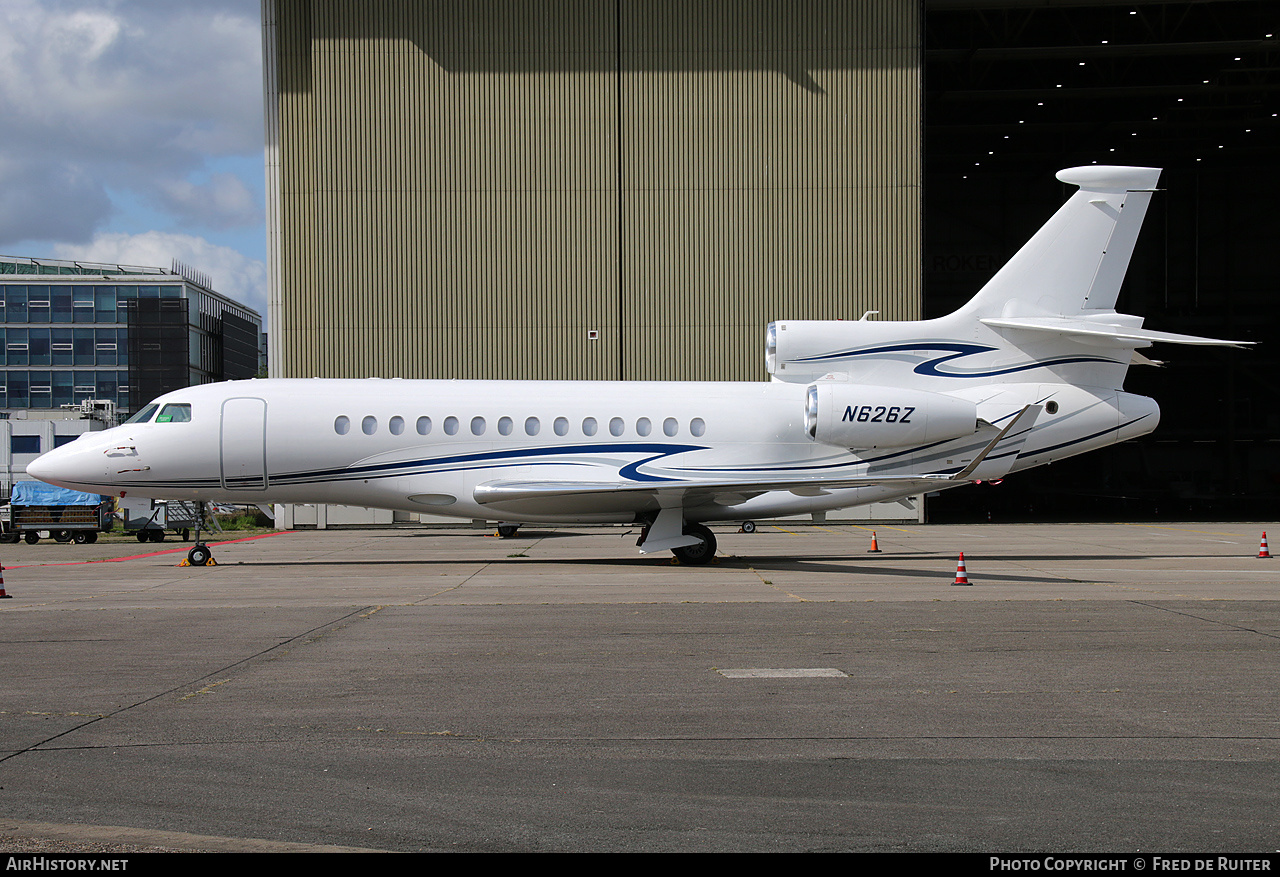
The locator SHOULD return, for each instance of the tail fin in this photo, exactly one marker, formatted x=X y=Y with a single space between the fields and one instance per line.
x=1047 y=316
x=1076 y=262
x=1065 y=279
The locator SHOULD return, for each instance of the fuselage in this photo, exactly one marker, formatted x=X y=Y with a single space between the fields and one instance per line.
x=431 y=446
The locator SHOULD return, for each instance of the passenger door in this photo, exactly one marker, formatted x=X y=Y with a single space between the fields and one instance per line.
x=244 y=444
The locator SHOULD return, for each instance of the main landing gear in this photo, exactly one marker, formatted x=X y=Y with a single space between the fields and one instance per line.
x=702 y=552
x=692 y=544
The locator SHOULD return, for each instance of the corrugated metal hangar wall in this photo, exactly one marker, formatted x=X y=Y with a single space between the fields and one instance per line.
x=472 y=189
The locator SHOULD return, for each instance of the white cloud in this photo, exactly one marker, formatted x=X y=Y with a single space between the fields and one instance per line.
x=48 y=201
x=223 y=202
x=232 y=274
x=125 y=96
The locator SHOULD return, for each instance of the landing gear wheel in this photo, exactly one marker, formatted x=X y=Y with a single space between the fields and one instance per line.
x=31 y=537
x=61 y=535
x=200 y=555
x=506 y=531
x=703 y=552
x=748 y=526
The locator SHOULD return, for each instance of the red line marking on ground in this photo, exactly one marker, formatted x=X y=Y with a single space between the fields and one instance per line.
x=152 y=554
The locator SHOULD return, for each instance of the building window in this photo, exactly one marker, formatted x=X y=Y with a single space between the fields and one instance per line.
x=24 y=444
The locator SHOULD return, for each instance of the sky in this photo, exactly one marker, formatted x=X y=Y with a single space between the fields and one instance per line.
x=131 y=132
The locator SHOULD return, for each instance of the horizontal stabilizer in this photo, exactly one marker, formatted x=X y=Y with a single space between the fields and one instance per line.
x=1123 y=335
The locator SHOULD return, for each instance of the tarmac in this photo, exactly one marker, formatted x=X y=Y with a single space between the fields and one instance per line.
x=1094 y=688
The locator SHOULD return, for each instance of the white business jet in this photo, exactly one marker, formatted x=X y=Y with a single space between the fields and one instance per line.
x=1028 y=372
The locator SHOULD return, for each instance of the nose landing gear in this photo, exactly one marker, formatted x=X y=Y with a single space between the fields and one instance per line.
x=200 y=555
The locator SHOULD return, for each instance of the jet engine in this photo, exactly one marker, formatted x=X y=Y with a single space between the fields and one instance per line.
x=859 y=416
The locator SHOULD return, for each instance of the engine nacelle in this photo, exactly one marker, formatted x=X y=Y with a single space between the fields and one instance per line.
x=858 y=416
x=800 y=351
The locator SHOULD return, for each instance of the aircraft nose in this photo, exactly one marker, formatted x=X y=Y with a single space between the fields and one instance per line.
x=67 y=466
x=45 y=467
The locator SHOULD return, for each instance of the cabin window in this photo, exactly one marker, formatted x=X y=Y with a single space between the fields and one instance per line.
x=424 y=425
x=505 y=425
x=670 y=426
x=477 y=426
x=175 y=413
x=532 y=426
x=451 y=425
x=643 y=426
x=144 y=415
x=561 y=426
x=616 y=426
x=342 y=425
x=369 y=425
x=697 y=426
x=589 y=426
x=396 y=425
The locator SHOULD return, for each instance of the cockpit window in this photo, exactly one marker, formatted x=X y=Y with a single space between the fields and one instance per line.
x=175 y=412
x=144 y=415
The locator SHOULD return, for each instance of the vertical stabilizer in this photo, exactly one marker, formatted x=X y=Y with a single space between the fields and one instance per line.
x=1046 y=318
x=1076 y=262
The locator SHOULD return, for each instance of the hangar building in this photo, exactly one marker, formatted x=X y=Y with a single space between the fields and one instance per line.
x=633 y=189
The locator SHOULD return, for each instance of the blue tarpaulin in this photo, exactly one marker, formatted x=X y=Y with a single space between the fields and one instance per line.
x=39 y=493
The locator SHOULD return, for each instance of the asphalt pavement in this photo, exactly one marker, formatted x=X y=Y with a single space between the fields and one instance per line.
x=1093 y=688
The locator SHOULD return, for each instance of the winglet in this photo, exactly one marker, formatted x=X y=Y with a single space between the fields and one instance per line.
x=1029 y=413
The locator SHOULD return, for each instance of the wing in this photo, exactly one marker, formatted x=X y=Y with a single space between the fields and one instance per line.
x=599 y=497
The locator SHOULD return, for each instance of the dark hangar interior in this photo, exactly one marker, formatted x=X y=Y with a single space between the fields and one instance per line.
x=1015 y=91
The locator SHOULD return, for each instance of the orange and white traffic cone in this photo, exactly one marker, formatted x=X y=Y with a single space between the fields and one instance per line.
x=1262 y=550
x=875 y=549
x=3 y=594
x=962 y=577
